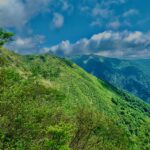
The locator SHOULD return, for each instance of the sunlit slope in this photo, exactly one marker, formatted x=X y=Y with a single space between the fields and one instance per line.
x=48 y=102
x=130 y=75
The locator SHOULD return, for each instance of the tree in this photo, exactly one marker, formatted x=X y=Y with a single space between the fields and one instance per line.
x=5 y=36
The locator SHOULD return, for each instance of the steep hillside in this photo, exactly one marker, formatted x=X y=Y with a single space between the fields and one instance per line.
x=49 y=103
x=130 y=75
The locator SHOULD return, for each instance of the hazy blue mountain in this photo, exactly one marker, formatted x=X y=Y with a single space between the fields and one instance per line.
x=130 y=75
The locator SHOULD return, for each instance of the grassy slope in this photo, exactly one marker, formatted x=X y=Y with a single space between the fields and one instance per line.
x=129 y=75
x=45 y=97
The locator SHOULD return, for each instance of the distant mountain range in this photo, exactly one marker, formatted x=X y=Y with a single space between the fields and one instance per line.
x=130 y=75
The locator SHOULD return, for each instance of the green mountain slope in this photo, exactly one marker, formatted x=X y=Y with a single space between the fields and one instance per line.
x=49 y=103
x=130 y=75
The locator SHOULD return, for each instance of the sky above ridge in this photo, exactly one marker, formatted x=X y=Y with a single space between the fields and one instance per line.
x=112 y=28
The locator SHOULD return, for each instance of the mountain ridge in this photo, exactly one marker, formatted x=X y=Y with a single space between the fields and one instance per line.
x=130 y=75
x=47 y=102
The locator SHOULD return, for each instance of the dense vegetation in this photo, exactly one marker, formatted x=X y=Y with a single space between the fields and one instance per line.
x=130 y=75
x=50 y=103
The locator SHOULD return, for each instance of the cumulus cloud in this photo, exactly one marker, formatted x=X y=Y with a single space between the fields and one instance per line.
x=109 y=43
x=12 y=13
x=27 y=45
x=16 y=13
x=58 y=20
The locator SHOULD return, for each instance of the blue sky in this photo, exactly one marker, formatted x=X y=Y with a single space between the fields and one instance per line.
x=113 y=28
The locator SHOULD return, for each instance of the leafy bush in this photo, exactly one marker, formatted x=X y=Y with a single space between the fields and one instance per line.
x=5 y=36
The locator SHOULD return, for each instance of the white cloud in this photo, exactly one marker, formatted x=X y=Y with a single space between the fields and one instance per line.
x=16 y=13
x=26 y=45
x=58 y=20
x=108 y=43
x=110 y=2
x=65 y=5
x=12 y=13
x=96 y=22
x=102 y=12
x=131 y=12
x=64 y=47
x=101 y=36
x=114 y=24
x=136 y=36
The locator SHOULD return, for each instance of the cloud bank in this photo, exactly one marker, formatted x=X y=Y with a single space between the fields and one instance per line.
x=26 y=45
x=123 y=44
